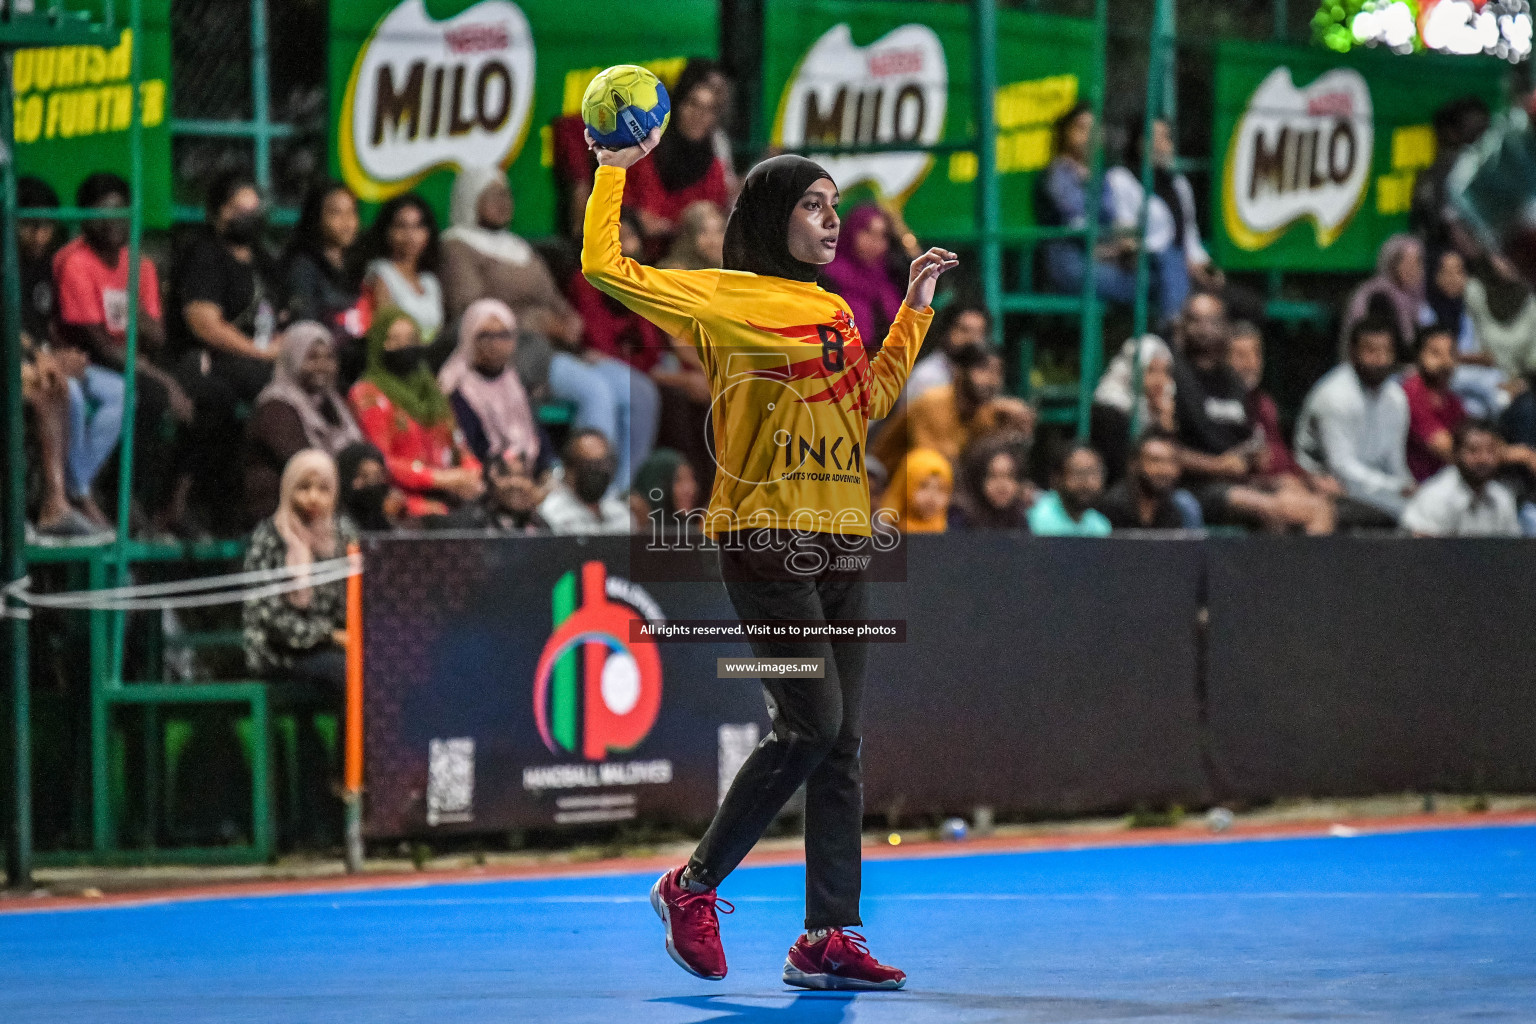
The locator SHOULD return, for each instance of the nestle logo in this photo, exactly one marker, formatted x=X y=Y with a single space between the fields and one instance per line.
x=1335 y=104
x=477 y=38
x=895 y=62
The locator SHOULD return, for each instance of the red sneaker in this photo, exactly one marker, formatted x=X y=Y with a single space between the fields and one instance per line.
x=839 y=960
x=693 y=927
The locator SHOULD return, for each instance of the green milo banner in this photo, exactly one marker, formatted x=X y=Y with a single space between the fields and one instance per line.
x=421 y=88
x=837 y=72
x=1317 y=152
x=73 y=111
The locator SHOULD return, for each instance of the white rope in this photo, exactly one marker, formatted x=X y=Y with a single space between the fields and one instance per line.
x=233 y=588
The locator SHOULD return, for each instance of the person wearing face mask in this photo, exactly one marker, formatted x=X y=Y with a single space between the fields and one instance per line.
x=482 y=385
x=404 y=412
x=579 y=504
x=300 y=409
x=367 y=497
x=228 y=329
x=1354 y=427
x=785 y=360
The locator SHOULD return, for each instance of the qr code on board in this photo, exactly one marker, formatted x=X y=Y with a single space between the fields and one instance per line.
x=450 y=781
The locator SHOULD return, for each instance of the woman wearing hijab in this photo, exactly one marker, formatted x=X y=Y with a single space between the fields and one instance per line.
x=858 y=272
x=686 y=167
x=366 y=496
x=1397 y=291
x=484 y=259
x=786 y=366
x=300 y=409
x=406 y=415
x=299 y=635
x=666 y=491
x=483 y=387
x=919 y=492
x=1110 y=418
x=993 y=492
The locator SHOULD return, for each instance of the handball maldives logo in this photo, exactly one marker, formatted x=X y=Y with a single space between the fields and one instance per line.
x=425 y=94
x=595 y=690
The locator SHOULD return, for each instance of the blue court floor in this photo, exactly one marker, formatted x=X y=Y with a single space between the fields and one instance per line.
x=1427 y=926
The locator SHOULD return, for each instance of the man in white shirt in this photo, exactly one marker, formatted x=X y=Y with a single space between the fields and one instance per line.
x=957 y=325
x=1354 y=425
x=1464 y=500
x=577 y=504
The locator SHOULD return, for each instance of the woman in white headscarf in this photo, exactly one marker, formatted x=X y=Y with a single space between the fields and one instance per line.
x=484 y=259
x=1110 y=424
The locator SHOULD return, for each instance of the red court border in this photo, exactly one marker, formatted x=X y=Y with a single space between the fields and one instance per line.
x=909 y=849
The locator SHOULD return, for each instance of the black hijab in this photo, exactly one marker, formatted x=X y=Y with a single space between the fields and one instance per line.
x=757 y=235
x=681 y=161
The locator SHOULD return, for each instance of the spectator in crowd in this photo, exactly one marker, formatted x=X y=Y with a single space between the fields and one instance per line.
x=91 y=274
x=1143 y=499
x=1432 y=215
x=948 y=418
x=666 y=493
x=300 y=635
x=1503 y=313
x=1478 y=381
x=1464 y=500
x=36 y=242
x=1172 y=238
x=511 y=500
x=1245 y=354
x=45 y=394
x=1221 y=453
x=1062 y=200
x=581 y=502
x=1067 y=511
x=1397 y=292
x=484 y=259
x=487 y=396
x=1434 y=411
x=403 y=254
x=1354 y=426
x=859 y=274
x=318 y=271
x=405 y=414
x=228 y=315
x=1110 y=417
x=612 y=328
x=920 y=491
x=700 y=242
x=685 y=167
x=993 y=492
x=367 y=497
x=95 y=418
x=300 y=409
x=954 y=327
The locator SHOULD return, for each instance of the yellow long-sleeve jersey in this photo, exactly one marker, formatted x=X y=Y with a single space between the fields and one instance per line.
x=793 y=388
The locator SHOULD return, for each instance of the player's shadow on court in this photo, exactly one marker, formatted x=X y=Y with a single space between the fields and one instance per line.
x=804 y=1008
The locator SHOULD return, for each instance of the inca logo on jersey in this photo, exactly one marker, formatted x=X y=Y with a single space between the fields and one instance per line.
x=595 y=690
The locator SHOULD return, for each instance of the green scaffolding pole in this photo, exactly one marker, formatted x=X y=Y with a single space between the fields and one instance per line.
x=1091 y=338
x=19 y=847
x=988 y=206
x=1160 y=61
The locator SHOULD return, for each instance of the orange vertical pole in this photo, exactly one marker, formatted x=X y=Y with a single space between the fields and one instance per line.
x=354 y=715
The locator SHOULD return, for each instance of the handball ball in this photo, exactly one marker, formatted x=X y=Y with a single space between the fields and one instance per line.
x=623 y=104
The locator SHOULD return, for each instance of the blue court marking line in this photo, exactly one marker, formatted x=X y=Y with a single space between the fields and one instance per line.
x=1422 y=926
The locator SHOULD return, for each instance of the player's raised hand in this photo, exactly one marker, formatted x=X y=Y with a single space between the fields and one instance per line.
x=925 y=276
x=626 y=157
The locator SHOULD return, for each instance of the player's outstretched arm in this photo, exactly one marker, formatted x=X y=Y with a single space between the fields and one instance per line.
x=670 y=299
x=904 y=341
